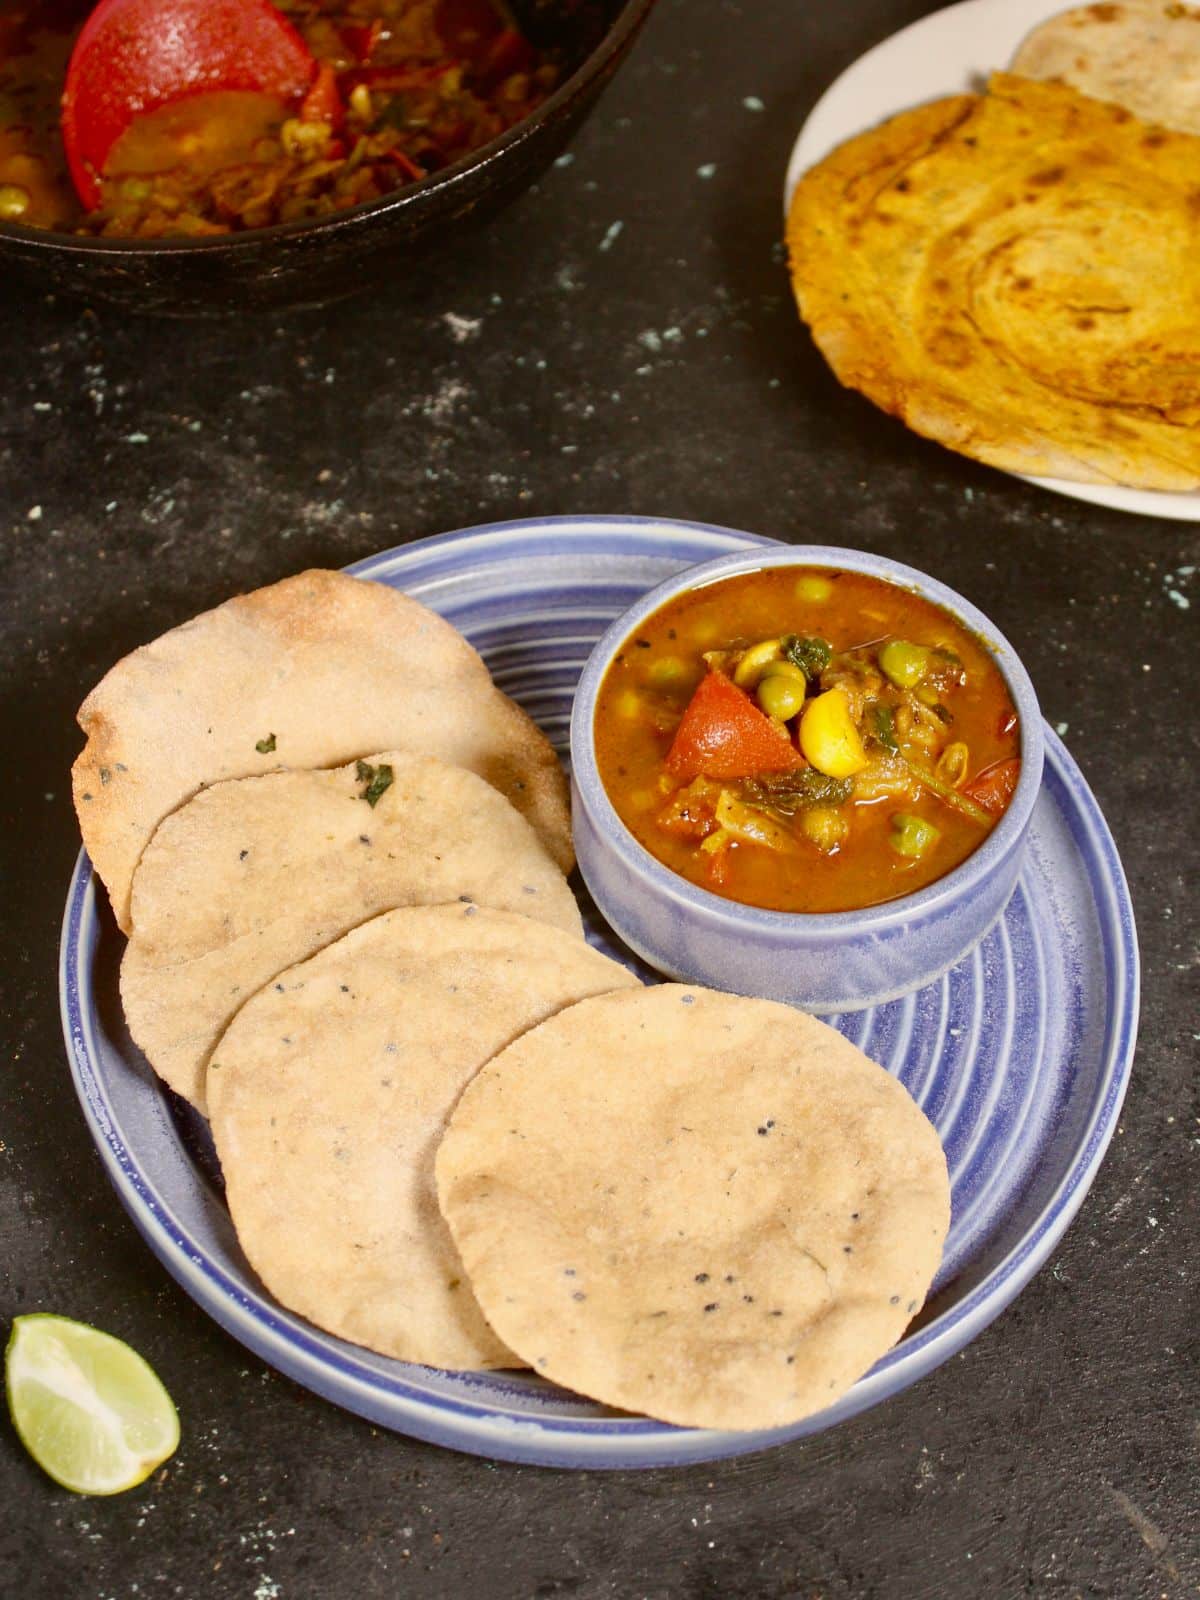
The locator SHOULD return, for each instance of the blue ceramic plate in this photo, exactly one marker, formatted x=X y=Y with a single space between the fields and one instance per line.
x=1020 y=1055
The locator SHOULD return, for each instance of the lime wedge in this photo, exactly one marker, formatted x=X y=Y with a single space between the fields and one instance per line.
x=88 y=1409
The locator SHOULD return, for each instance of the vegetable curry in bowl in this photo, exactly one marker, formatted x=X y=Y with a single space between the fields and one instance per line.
x=403 y=89
x=805 y=739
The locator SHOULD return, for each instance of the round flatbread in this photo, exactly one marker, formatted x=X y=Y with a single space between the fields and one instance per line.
x=255 y=874
x=1140 y=54
x=1013 y=274
x=709 y=1209
x=311 y=672
x=330 y=1091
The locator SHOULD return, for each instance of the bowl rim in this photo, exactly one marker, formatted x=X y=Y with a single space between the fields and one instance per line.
x=627 y=22
x=801 y=926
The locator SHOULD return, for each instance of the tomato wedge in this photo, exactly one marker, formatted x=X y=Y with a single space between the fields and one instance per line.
x=133 y=56
x=724 y=735
x=993 y=787
x=322 y=103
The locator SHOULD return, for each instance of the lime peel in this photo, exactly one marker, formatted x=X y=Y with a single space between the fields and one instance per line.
x=91 y=1412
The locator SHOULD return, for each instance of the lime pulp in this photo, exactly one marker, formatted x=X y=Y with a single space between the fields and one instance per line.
x=90 y=1411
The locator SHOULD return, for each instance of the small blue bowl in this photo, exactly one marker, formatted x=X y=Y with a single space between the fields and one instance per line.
x=824 y=962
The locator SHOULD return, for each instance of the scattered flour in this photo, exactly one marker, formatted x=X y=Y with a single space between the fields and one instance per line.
x=462 y=328
x=440 y=407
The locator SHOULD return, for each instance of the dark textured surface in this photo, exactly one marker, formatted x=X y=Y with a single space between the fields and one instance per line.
x=147 y=470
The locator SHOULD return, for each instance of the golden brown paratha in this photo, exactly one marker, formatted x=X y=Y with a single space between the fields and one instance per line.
x=311 y=672
x=1140 y=54
x=1014 y=275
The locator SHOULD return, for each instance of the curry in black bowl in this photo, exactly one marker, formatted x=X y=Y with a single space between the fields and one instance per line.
x=423 y=117
x=403 y=89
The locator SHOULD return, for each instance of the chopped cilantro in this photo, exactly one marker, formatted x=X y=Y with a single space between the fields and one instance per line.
x=883 y=725
x=376 y=781
x=265 y=746
x=812 y=656
x=789 y=792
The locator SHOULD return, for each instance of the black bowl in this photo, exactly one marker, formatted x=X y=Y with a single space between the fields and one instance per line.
x=315 y=262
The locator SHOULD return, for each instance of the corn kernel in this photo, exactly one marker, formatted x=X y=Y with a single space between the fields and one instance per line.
x=755 y=662
x=829 y=739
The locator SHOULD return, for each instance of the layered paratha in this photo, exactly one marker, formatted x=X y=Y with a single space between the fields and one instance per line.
x=1013 y=274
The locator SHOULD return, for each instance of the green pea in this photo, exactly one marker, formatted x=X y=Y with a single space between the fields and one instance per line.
x=781 y=695
x=15 y=201
x=904 y=663
x=667 y=672
x=912 y=836
x=786 y=669
x=814 y=588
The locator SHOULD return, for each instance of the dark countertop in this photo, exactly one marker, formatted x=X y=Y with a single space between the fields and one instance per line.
x=621 y=340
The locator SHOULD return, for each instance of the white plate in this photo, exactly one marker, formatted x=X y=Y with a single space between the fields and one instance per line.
x=951 y=52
